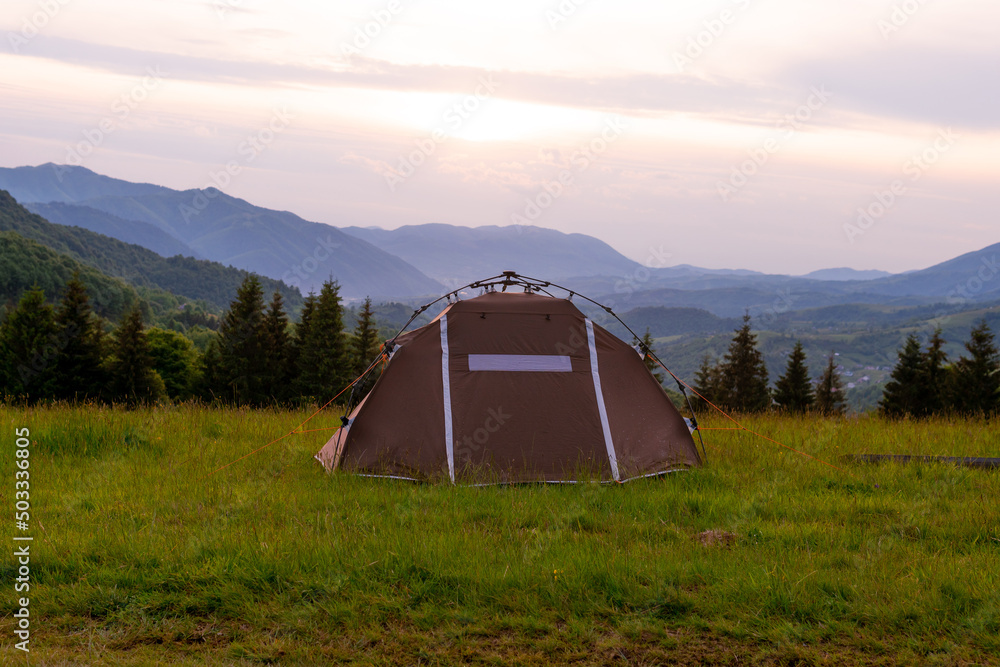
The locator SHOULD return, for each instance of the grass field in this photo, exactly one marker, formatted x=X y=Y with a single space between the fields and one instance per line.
x=141 y=556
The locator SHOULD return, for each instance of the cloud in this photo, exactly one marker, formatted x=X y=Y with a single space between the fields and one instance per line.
x=637 y=93
x=943 y=87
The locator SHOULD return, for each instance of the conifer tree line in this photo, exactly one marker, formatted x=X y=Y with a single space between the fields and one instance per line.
x=923 y=382
x=258 y=358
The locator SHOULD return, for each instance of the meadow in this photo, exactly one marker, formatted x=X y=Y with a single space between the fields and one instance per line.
x=144 y=555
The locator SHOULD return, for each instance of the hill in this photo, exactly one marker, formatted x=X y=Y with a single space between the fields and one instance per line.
x=844 y=273
x=225 y=229
x=129 y=231
x=184 y=276
x=457 y=255
x=25 y=263
x=974 y=276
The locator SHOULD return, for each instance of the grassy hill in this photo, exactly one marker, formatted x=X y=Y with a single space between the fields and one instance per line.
x=183 y=276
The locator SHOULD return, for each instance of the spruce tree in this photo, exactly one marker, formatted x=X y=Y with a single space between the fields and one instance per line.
x=793 y=390
x=365 y=346
x=277 y=374
x=211 y=384
x=133 y=379
x=935 y=375
x=324 y=362
x=975 y=381
x=242 y=354
x=743 y=373
x=29 y=349
x=298 y=345
x=80 y=371
x=707 y=380
x=830 y=398
x=905 y=393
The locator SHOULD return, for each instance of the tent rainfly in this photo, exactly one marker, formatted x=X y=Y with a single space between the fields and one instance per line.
x=513 y=387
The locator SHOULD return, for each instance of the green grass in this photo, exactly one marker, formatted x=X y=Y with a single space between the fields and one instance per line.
x=142 y=556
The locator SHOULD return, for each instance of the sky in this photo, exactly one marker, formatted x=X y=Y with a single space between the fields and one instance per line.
x=775 y=135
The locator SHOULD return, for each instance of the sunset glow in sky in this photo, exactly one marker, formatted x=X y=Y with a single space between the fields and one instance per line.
x=741 y=134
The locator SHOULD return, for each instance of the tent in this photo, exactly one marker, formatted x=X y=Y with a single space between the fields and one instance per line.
x=513 y=387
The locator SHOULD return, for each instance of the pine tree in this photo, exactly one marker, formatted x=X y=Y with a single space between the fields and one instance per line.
x=242 y=353
x=29 y=349
x=793 y=390
x=744 y=374
x=830 y=398
x=905 y=393
x=324 y=361
x=211 y=384
x=277 y=374
x=365 y=343
x=935 y=375
x=80 y=371
x=298 y=345
x=133 y=379
x=975 y=380
x=707 y=380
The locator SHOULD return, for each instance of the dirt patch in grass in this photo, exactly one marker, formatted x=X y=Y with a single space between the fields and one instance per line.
x=715 y=537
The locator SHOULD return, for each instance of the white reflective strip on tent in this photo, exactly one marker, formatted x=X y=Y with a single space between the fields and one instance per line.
x=449 y=438
x=553 y=363
x=602 y=410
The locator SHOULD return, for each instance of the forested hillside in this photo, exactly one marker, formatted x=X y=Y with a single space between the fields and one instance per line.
x=184 y=276
x=25 y=264
x=129 y=231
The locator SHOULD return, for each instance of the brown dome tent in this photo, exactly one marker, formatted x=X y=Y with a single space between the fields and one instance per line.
x=513 y=387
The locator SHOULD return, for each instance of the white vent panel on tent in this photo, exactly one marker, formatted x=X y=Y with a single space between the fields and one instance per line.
x=552 y=363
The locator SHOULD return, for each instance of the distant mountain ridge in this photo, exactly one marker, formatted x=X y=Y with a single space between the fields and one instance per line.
x=457 y=255
x=129 y=231
x=844 y=273
x=225 y=229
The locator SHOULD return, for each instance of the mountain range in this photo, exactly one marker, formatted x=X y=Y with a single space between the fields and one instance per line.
x=213 y=225
x=412 y=262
